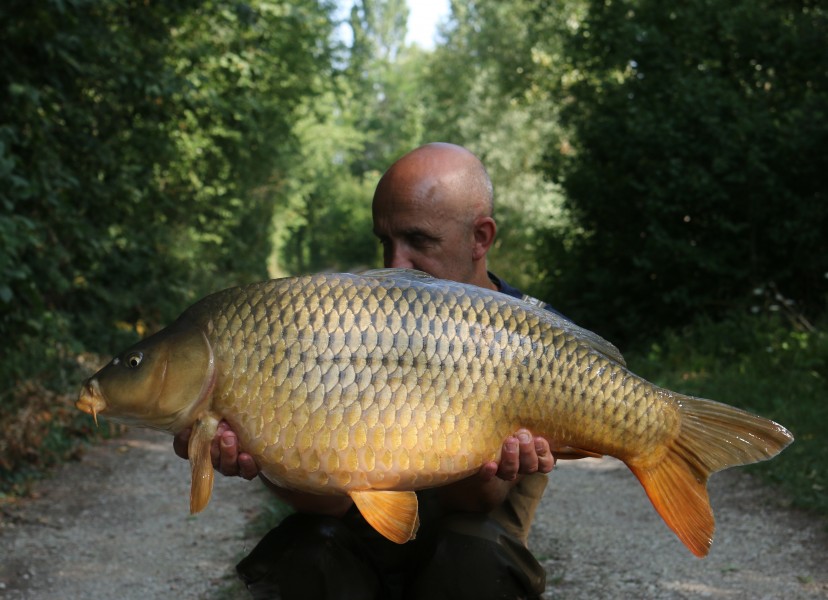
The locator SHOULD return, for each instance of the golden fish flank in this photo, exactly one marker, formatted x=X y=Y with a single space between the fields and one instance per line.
x=378 y=385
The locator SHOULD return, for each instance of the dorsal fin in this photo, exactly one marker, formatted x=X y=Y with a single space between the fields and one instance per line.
x=595 y=341
x=399 y=275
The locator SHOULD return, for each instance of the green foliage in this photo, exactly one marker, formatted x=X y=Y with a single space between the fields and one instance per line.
x=382 y=76
x=247 y=72
x=141 y=150
x=68 y=111
x=370 y=115
x=681 y=152
x=763 y=365
x=483 y=91
x=325 y=224
x=692 y=159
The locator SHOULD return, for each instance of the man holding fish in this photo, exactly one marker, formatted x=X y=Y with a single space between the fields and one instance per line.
x=356 y=392
x=432 y=212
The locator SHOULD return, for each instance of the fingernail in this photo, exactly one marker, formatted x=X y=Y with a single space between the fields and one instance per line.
x=227 y=441
x=511 y=446
x=524 y=437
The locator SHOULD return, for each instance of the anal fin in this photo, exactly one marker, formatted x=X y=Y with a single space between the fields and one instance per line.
x=201 y=465
x=393 y=514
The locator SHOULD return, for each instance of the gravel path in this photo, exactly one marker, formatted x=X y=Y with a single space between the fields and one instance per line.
x=115 y=525
x=599 y=537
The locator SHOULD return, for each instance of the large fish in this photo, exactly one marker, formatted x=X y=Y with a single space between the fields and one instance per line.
x=381 y=384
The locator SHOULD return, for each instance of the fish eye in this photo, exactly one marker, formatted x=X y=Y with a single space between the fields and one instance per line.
x=133 y=359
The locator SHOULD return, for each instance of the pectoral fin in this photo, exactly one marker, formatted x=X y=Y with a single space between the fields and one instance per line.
x=201 y=466
x=393 y=514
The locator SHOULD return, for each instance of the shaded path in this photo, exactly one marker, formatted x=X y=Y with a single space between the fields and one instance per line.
x=117 y=525
x=600 y=538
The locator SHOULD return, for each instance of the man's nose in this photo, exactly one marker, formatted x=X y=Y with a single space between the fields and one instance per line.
x=397 y=258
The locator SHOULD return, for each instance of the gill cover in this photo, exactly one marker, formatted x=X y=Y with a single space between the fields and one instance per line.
x=163 y=382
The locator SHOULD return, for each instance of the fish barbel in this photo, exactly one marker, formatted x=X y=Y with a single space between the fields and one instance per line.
x=380 y=384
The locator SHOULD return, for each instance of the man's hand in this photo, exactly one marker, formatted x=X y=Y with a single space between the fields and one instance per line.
x=224 y=451
x=228 y=460
x=522 y=454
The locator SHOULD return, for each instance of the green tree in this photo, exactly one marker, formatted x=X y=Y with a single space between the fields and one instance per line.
x=382 y=72
x=248 y=71
x=80 y=112
x=693 y=159
x=487 y=88
x=325 y=223
x=138 y=151
x=371 y=115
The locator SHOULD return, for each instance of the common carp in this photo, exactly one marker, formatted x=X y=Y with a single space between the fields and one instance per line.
x=380 y=384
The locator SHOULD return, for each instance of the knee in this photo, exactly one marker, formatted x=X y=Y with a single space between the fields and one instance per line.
x=309 y=556
x=472 y=556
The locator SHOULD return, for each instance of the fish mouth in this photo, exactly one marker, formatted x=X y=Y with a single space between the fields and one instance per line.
x=91 y=400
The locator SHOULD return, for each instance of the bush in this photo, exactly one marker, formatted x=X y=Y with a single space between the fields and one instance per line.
x=40 y=427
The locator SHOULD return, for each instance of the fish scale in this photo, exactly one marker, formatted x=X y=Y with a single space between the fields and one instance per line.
x=377 y=385
x=394 y=308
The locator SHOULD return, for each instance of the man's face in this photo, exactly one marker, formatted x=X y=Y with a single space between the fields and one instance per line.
x=419 y=233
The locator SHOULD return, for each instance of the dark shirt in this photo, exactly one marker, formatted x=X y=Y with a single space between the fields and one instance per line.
x=510 y=290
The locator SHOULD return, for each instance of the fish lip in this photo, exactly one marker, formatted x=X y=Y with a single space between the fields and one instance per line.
x=91 y=400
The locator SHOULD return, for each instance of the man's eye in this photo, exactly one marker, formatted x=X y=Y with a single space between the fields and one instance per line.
x=420 y=241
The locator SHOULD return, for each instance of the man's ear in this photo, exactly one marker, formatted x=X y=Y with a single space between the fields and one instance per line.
x=485 y=230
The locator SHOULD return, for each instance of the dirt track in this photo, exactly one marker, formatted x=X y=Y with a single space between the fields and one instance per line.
x=599 y=537
x=115 y=525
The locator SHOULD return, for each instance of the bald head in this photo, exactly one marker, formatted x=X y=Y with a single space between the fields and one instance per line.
x=439 y=173
x=432 y=211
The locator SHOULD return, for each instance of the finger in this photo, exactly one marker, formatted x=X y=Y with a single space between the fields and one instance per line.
x=181 y=442
x=215 y=446
x=528 y=456
x=229 y=460
x=488 y=471
x=546 y=460
x=247 y=466
x=509 y=460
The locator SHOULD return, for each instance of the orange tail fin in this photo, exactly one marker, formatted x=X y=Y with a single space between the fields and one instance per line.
x=713 y=437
